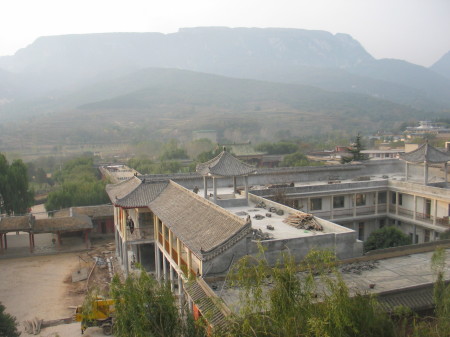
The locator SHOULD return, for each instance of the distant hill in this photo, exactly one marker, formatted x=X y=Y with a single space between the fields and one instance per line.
x=160 y=103
x=332 y=62
x=442 y=66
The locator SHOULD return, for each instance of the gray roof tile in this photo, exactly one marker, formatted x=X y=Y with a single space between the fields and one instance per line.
x=225 y=165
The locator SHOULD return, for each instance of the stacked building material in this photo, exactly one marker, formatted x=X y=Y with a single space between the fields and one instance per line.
x=303 y=221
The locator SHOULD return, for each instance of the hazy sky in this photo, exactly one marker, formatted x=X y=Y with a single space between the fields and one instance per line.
x=414 y=30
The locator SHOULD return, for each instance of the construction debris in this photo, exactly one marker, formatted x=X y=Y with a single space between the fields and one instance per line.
x=259 y=217
x=261 y=205
x=303 y=221
x=34 y=326
x=358 y=267
x=258 y=234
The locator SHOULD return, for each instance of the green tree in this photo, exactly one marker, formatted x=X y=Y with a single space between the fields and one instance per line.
x=172 y=151
x=15 y=194
x=306 y=299
x=8 y=324
x=297 y=159
x=386 y=237
x=78 y=185
x=277 y=148
x=355 y=152
x=145 y=307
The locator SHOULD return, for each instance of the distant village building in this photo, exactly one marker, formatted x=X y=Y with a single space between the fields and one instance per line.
x=427 y=127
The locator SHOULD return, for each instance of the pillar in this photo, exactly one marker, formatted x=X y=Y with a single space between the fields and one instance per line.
x=189 y=263
x=414 y=233
x=354 y=204
x=1 y=241
x=125 y=258
x=246 y=187
x=180 y=291
x=6 y=240
x=116 y=240
x=234 y=185
x=434 y=211
x=415 y=207
x=396 y=203
x=170 y=244
x=205 y=187
x=171 y=277
x=445 y=173
x=164 y=268
x=157 y=262
x=376 y=202
x=215 y=190
x=425 y=175
x=59 y=239
x=30 y=242
x=179 y=253
x=332 y=206
x=406 y=170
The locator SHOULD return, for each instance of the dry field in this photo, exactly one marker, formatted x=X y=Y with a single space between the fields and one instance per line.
x=42 y=287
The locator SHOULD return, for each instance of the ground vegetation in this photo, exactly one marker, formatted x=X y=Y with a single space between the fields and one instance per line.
x=8 y=324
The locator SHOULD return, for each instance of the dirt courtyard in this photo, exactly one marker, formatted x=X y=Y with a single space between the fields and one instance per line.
x=42 y=287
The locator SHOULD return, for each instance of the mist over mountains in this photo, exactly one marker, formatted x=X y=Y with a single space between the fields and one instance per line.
x=311 y=71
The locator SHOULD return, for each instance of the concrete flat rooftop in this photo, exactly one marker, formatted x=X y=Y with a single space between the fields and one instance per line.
x=281 y=230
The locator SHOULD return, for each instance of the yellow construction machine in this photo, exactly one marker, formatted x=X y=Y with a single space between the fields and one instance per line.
x=99 y=312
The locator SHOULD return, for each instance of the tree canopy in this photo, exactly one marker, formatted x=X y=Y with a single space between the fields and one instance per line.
x=78 y=185
x=15 y=195
x=355 y=152
x=386 y=237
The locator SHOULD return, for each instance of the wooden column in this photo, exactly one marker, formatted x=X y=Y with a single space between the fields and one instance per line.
x=30 y=242
x=179 y=253
x=425 y=174
x=1 y=241
x=59 y=239
x=86 y=238
x=189 y=263
x=234 y=185
x=415 y=207
x=6 y=240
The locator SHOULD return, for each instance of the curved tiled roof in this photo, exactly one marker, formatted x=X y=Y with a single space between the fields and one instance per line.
x=426 y=153
x=135 y=192
x=16 y=223
x=225 y=165
x=203 y=226
x=68 y=224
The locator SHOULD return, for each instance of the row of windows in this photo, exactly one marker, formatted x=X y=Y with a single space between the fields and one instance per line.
x=338 y=202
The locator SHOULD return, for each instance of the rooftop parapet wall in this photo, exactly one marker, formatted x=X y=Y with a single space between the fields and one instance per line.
x=264 y=176
x=324 y=188
x=341 y=240
x=417 y=188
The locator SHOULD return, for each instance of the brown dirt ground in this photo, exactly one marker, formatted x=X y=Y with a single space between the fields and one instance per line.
x=41 y=286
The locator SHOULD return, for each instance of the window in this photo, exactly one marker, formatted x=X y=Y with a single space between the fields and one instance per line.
x=316 y=204
x=382 y=223
x=361 y=231
x=400 y=199
x=393 y=197
x=360 y=199
x=427 y=235
x=382 y=197
x=338 y=201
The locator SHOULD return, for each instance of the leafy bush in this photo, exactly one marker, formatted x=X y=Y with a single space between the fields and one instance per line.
x=386 y=237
